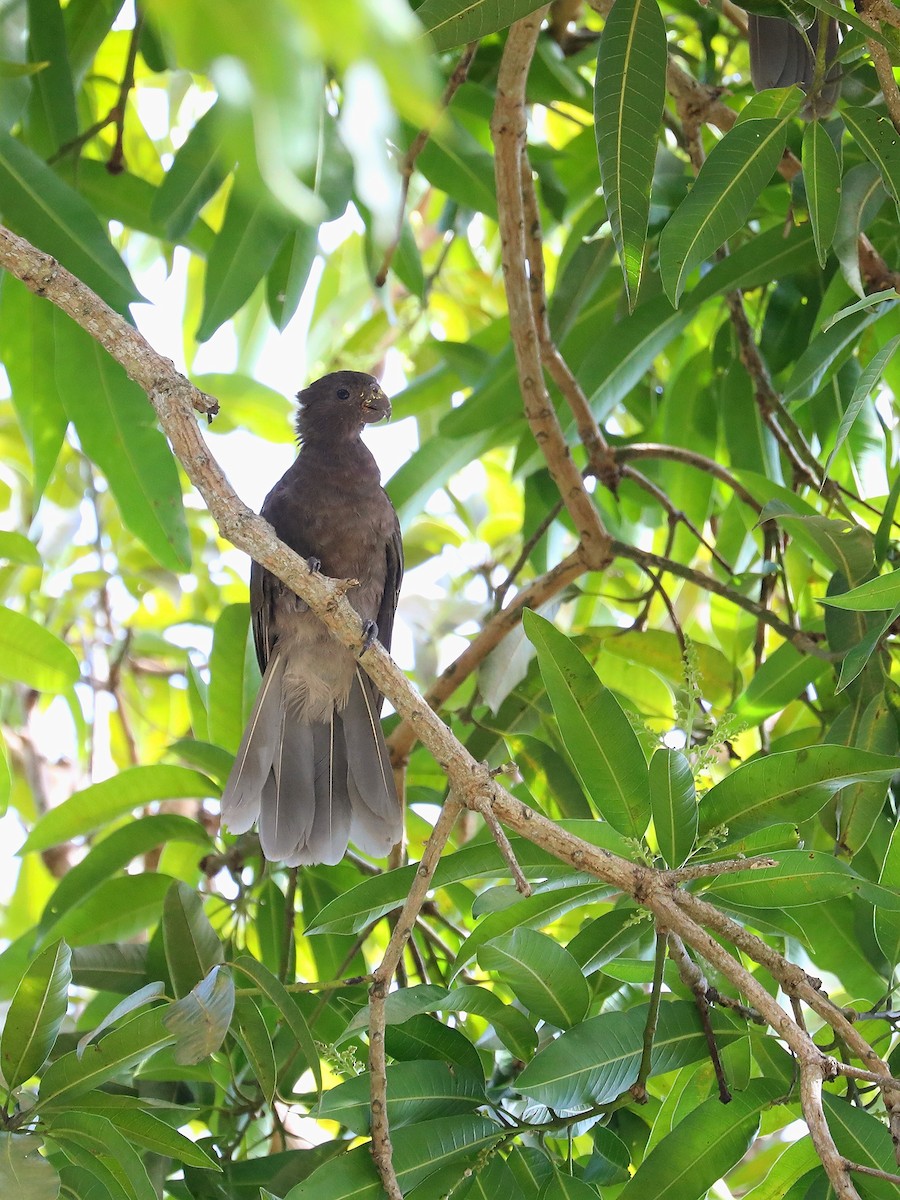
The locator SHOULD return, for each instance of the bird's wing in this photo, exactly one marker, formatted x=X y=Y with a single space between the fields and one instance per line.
x=392 y=580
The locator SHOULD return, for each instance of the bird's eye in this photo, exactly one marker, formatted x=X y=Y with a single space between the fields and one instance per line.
x=343 y=394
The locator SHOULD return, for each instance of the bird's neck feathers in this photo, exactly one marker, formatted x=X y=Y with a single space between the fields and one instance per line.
x=328 y=443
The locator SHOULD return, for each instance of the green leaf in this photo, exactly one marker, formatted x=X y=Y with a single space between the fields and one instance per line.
x=729 y=183
x=603 y=939
x=196 y=174
x=877 y=138
x=17 y=548
x=242 y=253
x=28 y=349
x=596 y=1061
x=117 y=910
x=791 y=786
x=356 y=908
x=71 y=1076
x=822 y=177
x=710 y=1140
x=859 y=806
x=115 y=851
x=95 y=806
x=35 y=1015
x=598 y=736
x=623 y=352
x=55 y=218
x=31 y=654
x=870 y=376
x=233 y=676
x=419 y=1151
x=145 y=1129
x=52 y=118
x=541 y=974
x=249 y=1030
x=139 y=999
x=275 y=991
x=800 y=877
x=116 y=426
x=102 y=1144
x=456 y=162
x=416 y=1092
x=862 y=198
x=876 y=595
x=887 y=924
x=785 y=675
x=191 y=944
x=116 y=968
x=24 y=1172
x=199 y=1021
x=289 y=273
x=629 y=95
x=511 y=1026
x=860 y=306
x=451 y=23
x=827 y=351
x=673 y=803
x=862 y=1138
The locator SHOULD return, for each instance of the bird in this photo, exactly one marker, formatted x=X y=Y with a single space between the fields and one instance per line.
x=780 y=55
x=312 y=769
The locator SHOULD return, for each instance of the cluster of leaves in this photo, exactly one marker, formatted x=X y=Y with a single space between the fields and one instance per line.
x=162 y=984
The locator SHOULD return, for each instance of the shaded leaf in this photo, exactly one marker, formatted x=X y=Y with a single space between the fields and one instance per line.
x=200 y=1020
x=790 y=786
x=729 y=183
x=131 y=1043
x=191 y=944
x=822 y=178
x=275 y=991
x=541 y=974
x=629 y=94
x=450 y=23
x=673 y=804
x=416 y=1092
x=700 y=1149
x=597 y=1060
x=598 y=736
x=51 y=215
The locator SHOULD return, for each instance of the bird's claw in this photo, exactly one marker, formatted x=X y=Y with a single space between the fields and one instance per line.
x=370 y=634
x=314 y=564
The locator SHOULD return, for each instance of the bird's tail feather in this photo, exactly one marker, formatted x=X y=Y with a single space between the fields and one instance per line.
x=377 y=819
x=288 y=806
x=313 y=786
x=256 y=753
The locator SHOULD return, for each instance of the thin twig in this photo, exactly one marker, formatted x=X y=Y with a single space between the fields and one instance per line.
x=693 y=978
x=454 y=83
x=382 y=1151
x=508 y=130
x=726 y=866
x=639 y=1088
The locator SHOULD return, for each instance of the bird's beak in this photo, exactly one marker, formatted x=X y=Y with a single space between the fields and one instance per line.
x=376 y=406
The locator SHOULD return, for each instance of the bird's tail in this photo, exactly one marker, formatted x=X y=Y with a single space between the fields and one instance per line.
x=313 y=786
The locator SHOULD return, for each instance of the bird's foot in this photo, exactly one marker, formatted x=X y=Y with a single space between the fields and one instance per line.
x=370 y=634
x=314 y=564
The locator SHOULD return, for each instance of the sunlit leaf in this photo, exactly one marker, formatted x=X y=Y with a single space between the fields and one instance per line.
x=31 y=654
x=35 y=1015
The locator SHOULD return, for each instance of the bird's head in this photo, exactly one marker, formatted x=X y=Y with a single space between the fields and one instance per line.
x=340 y=404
